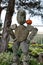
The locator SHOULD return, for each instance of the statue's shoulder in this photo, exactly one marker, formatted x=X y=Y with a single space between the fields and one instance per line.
x=30 y=27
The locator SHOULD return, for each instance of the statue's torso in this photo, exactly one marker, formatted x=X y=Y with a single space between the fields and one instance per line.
x=21 y=33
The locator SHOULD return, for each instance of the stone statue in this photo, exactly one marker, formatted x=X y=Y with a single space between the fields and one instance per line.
x=22 y=37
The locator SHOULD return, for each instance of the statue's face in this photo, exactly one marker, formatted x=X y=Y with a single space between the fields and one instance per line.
x=21 y=17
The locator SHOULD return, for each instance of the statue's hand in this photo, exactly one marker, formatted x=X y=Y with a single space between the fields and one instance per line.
x=28 y=41
x=13 y=27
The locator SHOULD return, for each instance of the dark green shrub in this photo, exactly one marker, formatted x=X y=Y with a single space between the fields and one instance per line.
x=34 y=62
x=6 y=58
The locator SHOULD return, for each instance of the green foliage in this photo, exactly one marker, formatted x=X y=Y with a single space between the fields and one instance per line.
x=19 y=52
x=10 y=45
x=6 y=58
x=36 y=49
x=34 y=62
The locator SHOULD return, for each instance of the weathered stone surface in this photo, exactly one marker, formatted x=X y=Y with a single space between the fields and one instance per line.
x=15 y=47
x=21 y=16
x=25 y=57
x=15 y=58
x=22 y=38
x=25 y=63
x=21 y=33
x=24 y=47
x=14 y=64
x=33 y=32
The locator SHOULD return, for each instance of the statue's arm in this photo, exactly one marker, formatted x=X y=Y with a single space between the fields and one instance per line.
x=13 y=27
x=12 y=34
x=32 y=31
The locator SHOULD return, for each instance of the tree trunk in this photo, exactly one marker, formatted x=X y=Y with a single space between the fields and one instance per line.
x=0 y=1
x=0 y=6
x=7 y=23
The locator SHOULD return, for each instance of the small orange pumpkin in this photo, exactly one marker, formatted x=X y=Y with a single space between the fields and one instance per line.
x=29 y=21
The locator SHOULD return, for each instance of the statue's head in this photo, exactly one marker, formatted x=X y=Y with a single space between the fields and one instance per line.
x=21 y=16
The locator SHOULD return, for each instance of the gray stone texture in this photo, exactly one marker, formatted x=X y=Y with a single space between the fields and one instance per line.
x=25 y=63
x=21 y=33
x=22 y=38
x=15 y=47
x=21 y=16
x=14 y=64
x=24 y=47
